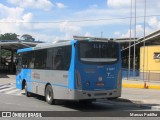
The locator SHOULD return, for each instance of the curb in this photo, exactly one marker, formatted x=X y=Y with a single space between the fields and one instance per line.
x=142 y=86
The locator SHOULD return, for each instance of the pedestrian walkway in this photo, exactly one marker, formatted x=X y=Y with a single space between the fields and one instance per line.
x=10 y=88
x=8 y=85
x=4 y=79
x=140 y=84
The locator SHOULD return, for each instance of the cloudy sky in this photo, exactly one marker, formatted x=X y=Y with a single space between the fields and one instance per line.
x=49 y=20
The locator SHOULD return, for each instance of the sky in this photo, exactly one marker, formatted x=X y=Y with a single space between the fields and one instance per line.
x=50 y=20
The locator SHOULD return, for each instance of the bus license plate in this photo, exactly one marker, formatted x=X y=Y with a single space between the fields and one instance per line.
x=99 y=84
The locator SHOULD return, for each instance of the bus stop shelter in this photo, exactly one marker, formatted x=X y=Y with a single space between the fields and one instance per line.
x=13 y=46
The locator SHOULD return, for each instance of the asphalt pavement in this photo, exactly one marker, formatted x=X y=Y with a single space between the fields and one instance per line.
x=142 y=93
x=145 y=93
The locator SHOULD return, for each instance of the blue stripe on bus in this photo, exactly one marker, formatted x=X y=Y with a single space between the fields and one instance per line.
x=60 y=85
x=37 y=81
x=24 y=50
x=71 y=81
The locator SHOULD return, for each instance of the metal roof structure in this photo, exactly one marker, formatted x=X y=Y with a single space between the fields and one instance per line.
x=90 y=38
x=17 y=44
x=151 y=39
x=123 y=40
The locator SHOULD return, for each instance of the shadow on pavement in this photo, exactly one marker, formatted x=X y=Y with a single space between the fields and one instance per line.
x=4 y=76
x=136 y=103
x=101 y=105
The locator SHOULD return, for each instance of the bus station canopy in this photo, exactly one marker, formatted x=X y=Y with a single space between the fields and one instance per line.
x=151 y=39
x=14 y=45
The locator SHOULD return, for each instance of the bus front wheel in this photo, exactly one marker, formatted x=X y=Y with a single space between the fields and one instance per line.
x=49 y=95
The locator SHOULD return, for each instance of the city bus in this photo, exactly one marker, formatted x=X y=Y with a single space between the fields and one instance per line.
x=82 y=69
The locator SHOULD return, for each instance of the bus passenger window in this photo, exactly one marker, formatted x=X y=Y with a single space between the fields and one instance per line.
x=58 y=62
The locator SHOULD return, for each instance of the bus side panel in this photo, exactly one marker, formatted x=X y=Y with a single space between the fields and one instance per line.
x=38 y=83
x=25 y=74
x=57 y=78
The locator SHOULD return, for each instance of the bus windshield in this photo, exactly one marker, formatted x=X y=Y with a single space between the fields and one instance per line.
x=98 y=52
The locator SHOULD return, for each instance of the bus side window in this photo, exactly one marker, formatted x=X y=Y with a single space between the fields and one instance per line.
x=31 y=64
x=58 y=62
x=58 y=58
x=40 y=59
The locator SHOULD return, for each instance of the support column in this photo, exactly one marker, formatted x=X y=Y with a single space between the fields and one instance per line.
x=0 y=59
x=12 y=62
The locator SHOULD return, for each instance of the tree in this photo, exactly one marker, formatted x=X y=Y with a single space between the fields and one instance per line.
x=6 y=53
x=27 y=37
x=8 y=36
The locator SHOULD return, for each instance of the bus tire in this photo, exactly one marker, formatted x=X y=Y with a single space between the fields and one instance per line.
x=49 y=95
x=28 y=94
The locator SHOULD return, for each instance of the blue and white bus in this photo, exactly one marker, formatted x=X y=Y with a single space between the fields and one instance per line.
x=80 y=69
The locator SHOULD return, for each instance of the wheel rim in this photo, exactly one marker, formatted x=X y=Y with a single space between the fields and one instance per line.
x=49 y=94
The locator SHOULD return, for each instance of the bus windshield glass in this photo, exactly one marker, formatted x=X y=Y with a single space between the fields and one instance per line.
x=99 y=52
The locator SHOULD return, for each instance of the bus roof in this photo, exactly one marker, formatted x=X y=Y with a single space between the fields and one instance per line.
x=64 y=43
x=91 y=38
x=48 y=45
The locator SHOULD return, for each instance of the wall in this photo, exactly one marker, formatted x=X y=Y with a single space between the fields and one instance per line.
x=148 y=64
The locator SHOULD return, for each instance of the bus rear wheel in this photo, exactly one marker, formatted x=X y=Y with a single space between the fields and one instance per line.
x=49 y=95
x=28 y=94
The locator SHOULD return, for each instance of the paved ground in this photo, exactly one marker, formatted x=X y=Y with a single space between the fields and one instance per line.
x=144 y=97
x=4 y=79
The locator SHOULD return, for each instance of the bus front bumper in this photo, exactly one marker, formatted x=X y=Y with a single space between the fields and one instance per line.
x=81 y=94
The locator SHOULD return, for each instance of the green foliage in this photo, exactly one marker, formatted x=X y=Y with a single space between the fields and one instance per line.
x=9 y=36
x=5 y=53
x=27 y=37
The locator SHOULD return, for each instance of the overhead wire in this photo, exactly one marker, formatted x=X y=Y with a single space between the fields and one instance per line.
x=85 y=20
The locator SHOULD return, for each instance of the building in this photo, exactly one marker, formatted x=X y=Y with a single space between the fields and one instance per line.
x=147 y=58
x=150 y=62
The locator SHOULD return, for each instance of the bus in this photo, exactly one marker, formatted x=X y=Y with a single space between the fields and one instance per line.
x=82 y=69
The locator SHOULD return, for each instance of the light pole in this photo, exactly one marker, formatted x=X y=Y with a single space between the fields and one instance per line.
x=129 y=54
x=144 y=36
x=134 y=55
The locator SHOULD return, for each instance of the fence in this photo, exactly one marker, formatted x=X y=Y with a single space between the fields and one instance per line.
x=147 y=75
x=150 y=75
